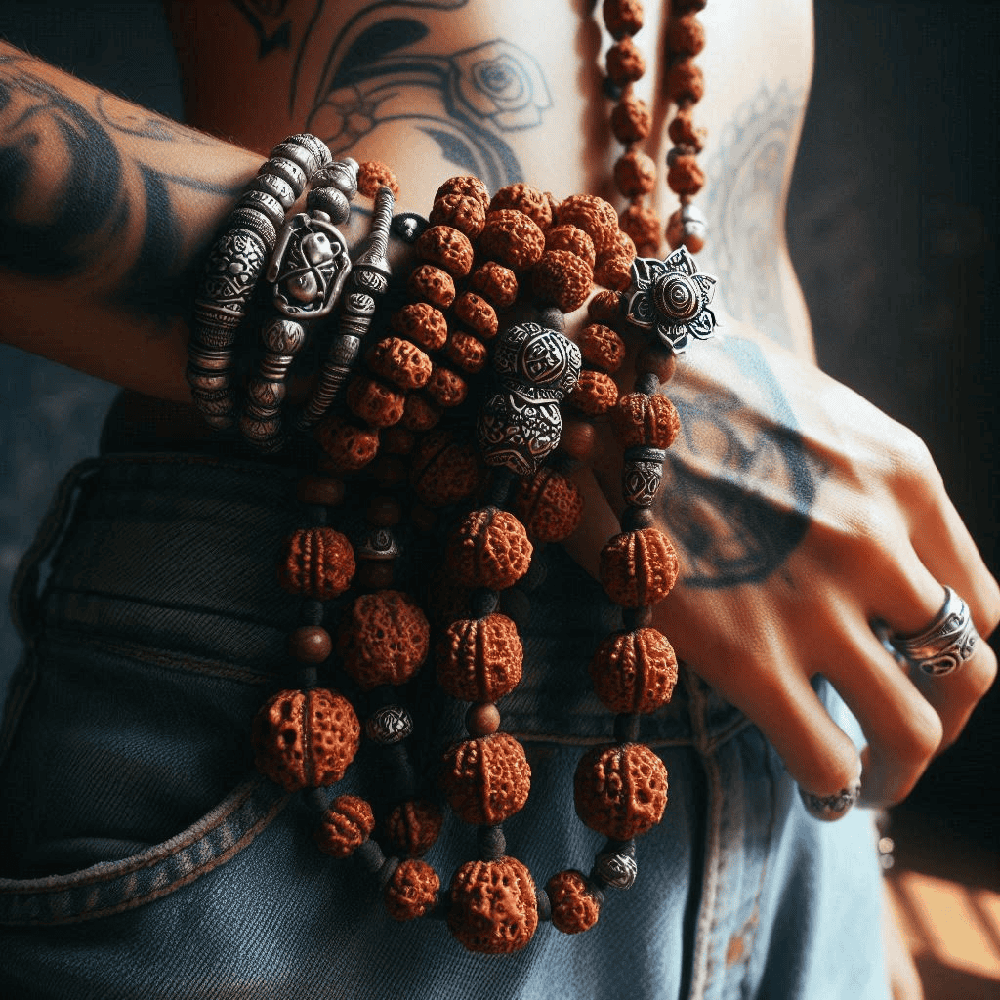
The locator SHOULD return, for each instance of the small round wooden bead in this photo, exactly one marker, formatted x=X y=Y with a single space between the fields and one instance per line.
x=419 y=413
x=310 y=644
x=495 y=283
x=384 y=639
x=620 y=790
x=479 y=659
x=575 y=908
x=527 y=199
x=549 y=505
x=489 y=548
x=578 y=439
x=324 y=490
x=614 y=270
x=477 y=314
x=412 y=827
x=685 y=35
x=685 y=176
x=446 y=387
x=683 y=132
x=493 y=906
x=412 y=890
x=317 y=562
x=634 y=671
x=400 y=362
x=510 y=237
x=640 y=419
x=601 y=347
x=605 y=307
x=643 y=225
x=482 y=718
x=685 y=83
x=346 y=824
x=638 y=567
x=430 y=284
x=466 y=351
x=658 y=360
x=486 y=779
x=305 y=739
x=624 y=62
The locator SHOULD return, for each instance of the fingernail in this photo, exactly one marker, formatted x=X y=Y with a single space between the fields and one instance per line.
x=831 y=807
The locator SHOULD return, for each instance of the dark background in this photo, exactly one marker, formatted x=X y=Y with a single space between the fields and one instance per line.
x=892 y=225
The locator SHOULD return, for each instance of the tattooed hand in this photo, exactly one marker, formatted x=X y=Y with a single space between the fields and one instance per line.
x=802 y=515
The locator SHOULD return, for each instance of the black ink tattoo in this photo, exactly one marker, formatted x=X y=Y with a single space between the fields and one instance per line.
x=371 y=77
x=267 y=19
x=746 y=181
x=127 y=119
x=739 y=485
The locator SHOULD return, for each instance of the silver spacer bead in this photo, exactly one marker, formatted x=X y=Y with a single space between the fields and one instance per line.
x=288 y=170
x=390 y=724
x=619 y=871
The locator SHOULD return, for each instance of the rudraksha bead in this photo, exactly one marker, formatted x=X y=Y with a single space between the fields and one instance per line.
x=685 y=82
x=479 y=659
x=493 y=907
x=595 y=216
x=384 y=639
x=466 y=351
x=305 y=739
x=634 y=671
x=512 y=238
x=486 y=779
x=639 y=419
x=419 y=414
x=372 y=175
x=563 y=279
x=489 y=548
x=624 y=62
x=423 y=324
x=527 y=199
x=574 y=907
x=346 y=824
x=595 y=393
x=630 y=120
x=685 y=176
x=623 y=17
x=447 y=248
x=310 y=644
x=317 y=562
x=495 y=283
x=465 y=184
x=477 y=314
x=401 y=362
x=412 y=890
x=634 y=173
x=572 y=239
x=605 y=306
x=432 y=285
x=375 y=402
x=549 y=505
x=460 y=211
x=643 y=224
x=683 y=132
x=620 y=790
x=685 y=35
x=444 y=469
x=446 y=388
x=614 y=269
x=412 y=827
x=601 y=347
x=347 y=446
x=397 y=440
x=638 y=567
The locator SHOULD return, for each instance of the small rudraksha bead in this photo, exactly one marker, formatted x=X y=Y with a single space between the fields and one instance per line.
x=384 y=639
x=412 y=890
x=624 y=62
x=526 y=199
x=347 y=823
x=510 y=237
x=638 y=567
x=401 y=362
x=495 y=283
x=685 y=35
x=419 y=414
x=685 y=82
x=549 y=505
x=486 y=779
x=412 y=827
x=620 y=790
x=595 y=216
x=430 y=284
x=634 y=671
x=446 y=388
x=372 y=175
x=682 y=131
x=397 y=440
x=639 y=419
x=479 y=659
x=493 y=907
x=423 y=324
x=623 y=17
x=446 y=248
x=601 y=347
x=375 y=402
x=575 y=908
x=573 y=240
x=348 y=447
x=685 y=176
x=595 y=393
x=562 y=279
x=630 y=120
x=466 y=351
x=444 y=469
x=305 y=739
x=317 y=562
x=310 y=644
x=466 y=184
x=477 y=314
x=634 y=173
x=489 y=548
x=463 y=212
x=642 y=224
x=605 y=307
x=614 y=270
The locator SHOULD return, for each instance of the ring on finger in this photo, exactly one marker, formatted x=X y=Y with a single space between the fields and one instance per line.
x=946 y=643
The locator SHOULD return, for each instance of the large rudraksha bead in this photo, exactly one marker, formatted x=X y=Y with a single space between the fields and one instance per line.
x=384 y=639
x=486 y=779
x=493 y=907
x=413 y=826
x=638 y=567
x=634 y=671
x=549 y=506
x=639 y=419
x=347 y=823
x=412 y=890
x=305 y=739
x=512 y=238
x=479 y=659
x=575 y=907
x=489 y=548
x=317 y=563
x=620 y=790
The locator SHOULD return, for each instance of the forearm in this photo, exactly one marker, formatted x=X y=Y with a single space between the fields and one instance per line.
x=106 y=212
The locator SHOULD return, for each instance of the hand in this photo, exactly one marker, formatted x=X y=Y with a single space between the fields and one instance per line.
x=801 y=515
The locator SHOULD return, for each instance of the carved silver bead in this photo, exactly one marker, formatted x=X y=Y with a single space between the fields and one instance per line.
x=308 y=267
x=264 y=202
x=379 y=545
x=533 y=354
x=288 y=170
x=389 y=725
x=341 y=174
x=331 y=201
x=277 y=187
x=518 y=430
x=619 y=871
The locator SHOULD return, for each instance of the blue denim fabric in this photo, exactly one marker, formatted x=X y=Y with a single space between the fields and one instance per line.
x=143 y=857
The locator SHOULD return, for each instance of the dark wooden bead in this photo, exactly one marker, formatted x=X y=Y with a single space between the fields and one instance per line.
x=482 y=718
x=384 y=511
x=321 y=490
x=310 y=644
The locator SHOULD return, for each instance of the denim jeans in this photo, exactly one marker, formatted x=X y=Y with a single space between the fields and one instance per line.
x=144 y=857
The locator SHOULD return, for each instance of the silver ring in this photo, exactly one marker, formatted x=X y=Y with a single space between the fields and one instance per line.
x=831 y=807
x=946 y=643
